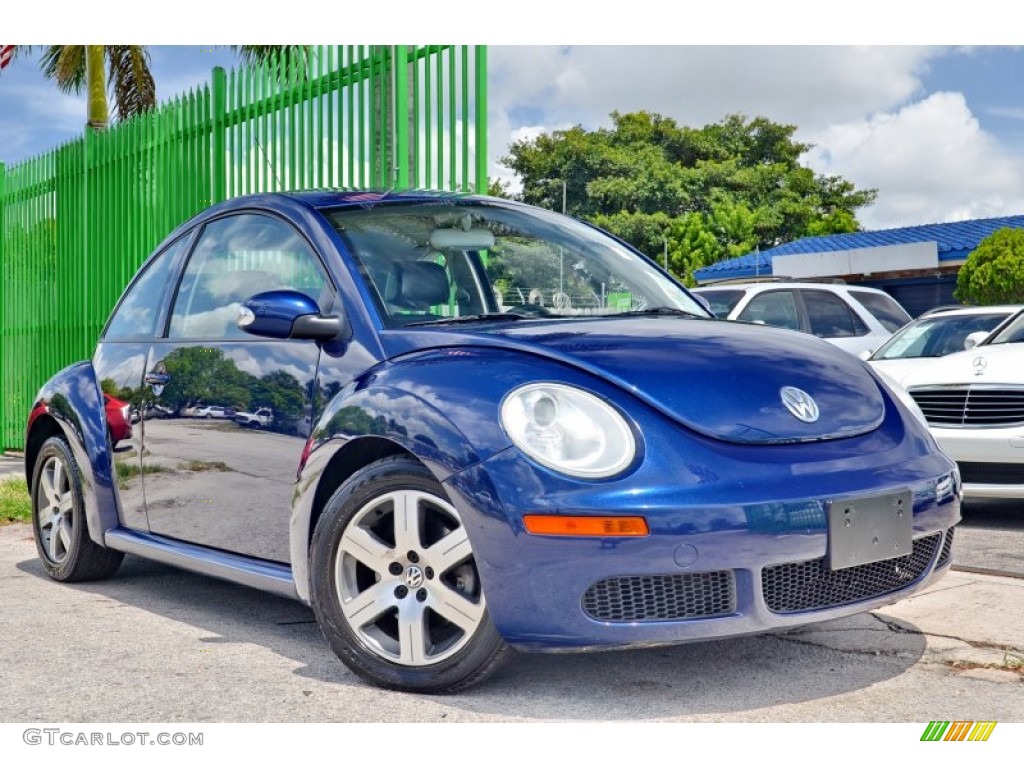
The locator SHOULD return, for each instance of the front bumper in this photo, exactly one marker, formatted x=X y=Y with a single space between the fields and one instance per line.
x=992 y=459
x=734 y=567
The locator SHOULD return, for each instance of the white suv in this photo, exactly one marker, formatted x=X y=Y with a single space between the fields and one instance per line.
x=854 y=318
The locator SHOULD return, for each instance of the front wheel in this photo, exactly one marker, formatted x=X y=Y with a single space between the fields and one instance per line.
x=58 y=519
x=395 y=586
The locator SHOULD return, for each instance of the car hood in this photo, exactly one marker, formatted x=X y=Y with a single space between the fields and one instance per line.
x=720 y=378
x=901 y=367
x=987 y=364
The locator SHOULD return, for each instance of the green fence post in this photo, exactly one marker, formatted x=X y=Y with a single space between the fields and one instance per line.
x=480 y=119
x=87 y=155
x=5 y=389
x=401 y=115
x=218 y=126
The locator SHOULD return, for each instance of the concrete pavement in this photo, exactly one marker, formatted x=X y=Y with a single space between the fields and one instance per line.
x=159 y=644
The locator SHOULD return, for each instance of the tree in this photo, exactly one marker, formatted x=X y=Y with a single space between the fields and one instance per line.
x=126 y=69
x=994 y=271
x=708 y=193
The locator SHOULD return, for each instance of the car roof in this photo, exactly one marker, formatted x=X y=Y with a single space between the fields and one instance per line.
x=1007 y=309
x=776 y=284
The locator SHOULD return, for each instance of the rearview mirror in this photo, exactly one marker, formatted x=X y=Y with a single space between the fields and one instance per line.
x=461 y=239
x=289 y=315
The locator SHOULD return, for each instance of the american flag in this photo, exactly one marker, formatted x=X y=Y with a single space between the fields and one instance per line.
x=6 y=54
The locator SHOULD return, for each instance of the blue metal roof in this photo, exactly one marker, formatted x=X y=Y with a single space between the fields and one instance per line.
x=954 y=239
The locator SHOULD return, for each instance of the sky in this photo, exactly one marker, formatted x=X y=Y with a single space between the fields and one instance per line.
x=937 y=129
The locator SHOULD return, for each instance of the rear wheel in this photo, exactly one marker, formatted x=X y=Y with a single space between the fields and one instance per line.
x=58 y=519
x=395 y=585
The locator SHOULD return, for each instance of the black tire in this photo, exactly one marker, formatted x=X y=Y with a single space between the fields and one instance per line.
x=58 y=510
x=375 y=649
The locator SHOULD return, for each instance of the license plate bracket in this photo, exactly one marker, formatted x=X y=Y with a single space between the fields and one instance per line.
x=869 y=529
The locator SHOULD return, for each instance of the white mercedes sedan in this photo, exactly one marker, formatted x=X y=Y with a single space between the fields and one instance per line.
x=974 y=404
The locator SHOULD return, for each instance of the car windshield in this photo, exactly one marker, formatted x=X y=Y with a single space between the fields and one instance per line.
x=1011 y=333
x=937 y=336
x=460 y=262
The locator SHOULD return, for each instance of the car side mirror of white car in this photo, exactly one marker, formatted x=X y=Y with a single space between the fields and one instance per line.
x=973 y=339
x=865 y=354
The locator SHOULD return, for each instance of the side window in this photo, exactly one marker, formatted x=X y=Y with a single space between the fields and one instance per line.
x=234 y=259
x=830 y=317
x=776 y=308
x=884 y=309
x=138 y=311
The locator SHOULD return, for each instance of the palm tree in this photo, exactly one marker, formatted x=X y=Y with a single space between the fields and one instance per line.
x=73 y=67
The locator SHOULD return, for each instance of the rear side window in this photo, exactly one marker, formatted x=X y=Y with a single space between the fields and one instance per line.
x=721 y=302
x=775 y=308
x=884 y=308
x=137 y=313
x=830 y=317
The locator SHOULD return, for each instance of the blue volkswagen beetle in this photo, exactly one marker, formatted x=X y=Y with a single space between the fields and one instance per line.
x=483 y=427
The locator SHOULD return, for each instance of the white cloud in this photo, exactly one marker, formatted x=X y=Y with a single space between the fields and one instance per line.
x=930 y=160
x=865 y=109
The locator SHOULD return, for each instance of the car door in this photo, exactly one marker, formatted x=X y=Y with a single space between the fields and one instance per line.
x=120 y=366
x=212 y=481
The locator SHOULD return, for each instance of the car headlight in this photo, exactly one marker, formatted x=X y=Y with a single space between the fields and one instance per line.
x=897 y=391
x=568 y=430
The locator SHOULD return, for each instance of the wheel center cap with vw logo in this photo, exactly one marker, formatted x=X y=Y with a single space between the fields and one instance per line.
x=413 y=576
x=800 y=404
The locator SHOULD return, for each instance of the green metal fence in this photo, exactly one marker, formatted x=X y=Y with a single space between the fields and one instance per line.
x=76 y=222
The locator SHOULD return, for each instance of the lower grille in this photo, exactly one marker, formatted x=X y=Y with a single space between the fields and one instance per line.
x=810 y=585
x=947 y=549
x=663 y=597
x=996 y=474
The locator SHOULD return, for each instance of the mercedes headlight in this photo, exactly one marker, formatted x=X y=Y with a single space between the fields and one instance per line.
x=568 y=430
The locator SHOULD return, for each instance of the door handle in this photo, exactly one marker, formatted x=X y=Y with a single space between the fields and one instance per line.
x=157 y=379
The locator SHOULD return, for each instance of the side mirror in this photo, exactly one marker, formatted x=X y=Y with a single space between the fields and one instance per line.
x=289 y=315
x=973 y=339
x=865 y=354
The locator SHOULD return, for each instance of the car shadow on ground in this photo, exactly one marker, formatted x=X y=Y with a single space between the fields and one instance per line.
x=707 y=680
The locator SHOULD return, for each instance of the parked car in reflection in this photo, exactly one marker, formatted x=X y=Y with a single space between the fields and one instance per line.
x=457 y=479
x=213 y=412
x=974 y=404
x=261 y=417
x=854 y=318
x=938 y=333
x=118 y=417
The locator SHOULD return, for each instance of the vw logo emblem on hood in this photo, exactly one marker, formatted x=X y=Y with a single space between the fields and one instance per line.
x=980 y=364
x=800 y=404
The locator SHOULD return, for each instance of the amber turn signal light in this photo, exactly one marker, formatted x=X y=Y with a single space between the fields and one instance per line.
x=565 y=525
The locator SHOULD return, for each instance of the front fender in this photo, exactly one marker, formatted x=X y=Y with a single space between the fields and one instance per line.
x=441 y=406
x=73 y=401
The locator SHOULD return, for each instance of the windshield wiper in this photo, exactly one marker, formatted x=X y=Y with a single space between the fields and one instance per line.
x=665 y=311
x=481 y=318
